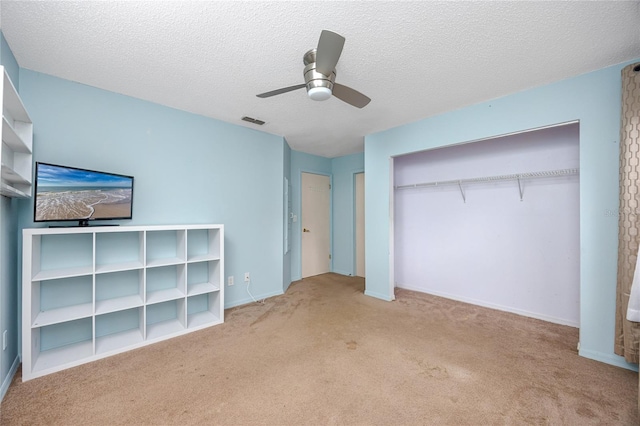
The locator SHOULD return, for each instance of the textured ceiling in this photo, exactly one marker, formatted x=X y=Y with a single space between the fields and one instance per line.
x=413 y=59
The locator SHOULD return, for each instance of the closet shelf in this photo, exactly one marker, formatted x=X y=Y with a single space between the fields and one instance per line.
x=518 y=177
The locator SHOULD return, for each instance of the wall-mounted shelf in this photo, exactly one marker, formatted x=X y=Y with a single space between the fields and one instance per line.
x=17 y=142
x=93 y=292
x=519 y=177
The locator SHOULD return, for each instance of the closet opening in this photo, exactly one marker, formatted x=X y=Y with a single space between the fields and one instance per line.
x=494 y=223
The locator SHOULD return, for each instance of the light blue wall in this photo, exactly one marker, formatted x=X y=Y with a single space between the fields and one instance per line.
x=594 y=100
x=287 y=204
x=301 y=162
x=188 y=169
x=344 y=170
x=9 y=285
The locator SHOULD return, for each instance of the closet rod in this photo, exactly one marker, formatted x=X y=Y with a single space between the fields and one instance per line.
x=517 y=176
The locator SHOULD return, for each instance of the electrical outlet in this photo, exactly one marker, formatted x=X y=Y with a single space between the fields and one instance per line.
x=4 y=340
x=230 y=280
x=247 y=277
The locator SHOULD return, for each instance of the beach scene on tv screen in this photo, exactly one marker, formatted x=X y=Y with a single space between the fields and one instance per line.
x=74 y=194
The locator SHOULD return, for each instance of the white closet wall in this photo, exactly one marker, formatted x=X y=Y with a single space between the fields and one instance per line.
x=494 y=249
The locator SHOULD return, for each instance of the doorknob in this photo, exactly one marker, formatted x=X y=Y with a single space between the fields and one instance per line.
x=305 y=230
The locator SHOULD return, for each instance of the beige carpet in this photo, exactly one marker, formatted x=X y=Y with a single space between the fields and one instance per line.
x=326 y=354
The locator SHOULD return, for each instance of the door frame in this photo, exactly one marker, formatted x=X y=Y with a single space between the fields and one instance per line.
x=299 y=222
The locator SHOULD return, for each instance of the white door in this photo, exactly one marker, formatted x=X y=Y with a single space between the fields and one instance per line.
x=315 y=221
x=360 y=224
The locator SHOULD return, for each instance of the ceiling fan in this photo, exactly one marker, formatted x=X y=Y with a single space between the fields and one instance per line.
x=320 y=74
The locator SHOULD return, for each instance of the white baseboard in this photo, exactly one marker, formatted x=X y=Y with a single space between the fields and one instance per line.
x=611 y=359
x=555 y=320
x=248 y=299
x=377 y=295
x=7 y=380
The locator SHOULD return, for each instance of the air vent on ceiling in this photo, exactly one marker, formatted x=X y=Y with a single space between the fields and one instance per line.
x=253 y=120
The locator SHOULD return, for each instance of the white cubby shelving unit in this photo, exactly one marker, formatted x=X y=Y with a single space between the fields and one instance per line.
x=92 y=292
x=17 y=142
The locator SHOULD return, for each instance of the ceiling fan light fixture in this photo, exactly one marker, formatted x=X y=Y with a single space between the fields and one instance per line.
x=320 y=74
x=319 y=93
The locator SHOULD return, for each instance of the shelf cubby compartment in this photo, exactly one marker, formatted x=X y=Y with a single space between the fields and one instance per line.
x=12 y=192
x=61 y=300
x=56 y=345
x=61 y=255
x=16 y=161
x=13 y=109
x=17 y=143
x=16 y=138
x=203 y=310
x=118 y=251
x=203 y=277
x=118 y=330
x=164 y=319
x=117 y=291
x=165 y=247
x=165 y=283
x=203 y=244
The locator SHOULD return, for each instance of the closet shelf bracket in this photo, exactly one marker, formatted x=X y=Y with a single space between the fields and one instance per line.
x=520 y=187
x=464 y=199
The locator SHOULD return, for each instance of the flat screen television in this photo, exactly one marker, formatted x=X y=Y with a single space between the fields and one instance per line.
x=71 y=194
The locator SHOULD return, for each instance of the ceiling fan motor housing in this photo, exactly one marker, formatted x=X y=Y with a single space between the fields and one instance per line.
x=320 y=74
x=319 y=86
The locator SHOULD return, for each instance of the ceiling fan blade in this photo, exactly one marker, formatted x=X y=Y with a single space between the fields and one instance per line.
x=350 y=96
x=281 y=91
x=328 y=51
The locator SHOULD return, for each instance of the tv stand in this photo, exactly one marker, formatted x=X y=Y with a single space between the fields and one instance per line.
x=96 y=291
x=82 y=224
